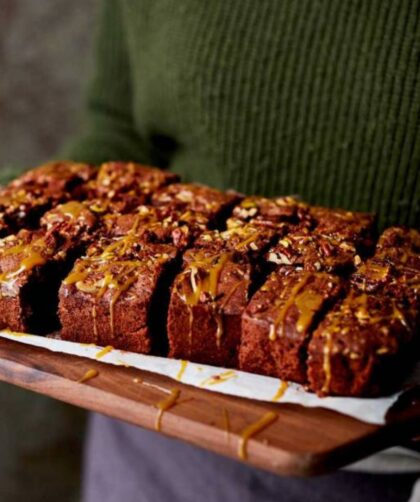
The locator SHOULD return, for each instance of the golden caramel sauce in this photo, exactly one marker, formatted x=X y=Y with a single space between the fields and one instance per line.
x=220 y=378
x=14 y=333
x=165 y=405
x=104 y=351
x=376 y=271
x=308 y=302
x=182 y=369
x=123 y=363
x=73 y=209
x=397 y=314
x=253 y=429
x=248 y=203
x=278 y=324
x=119 y=289
x=211 y=267
x=32 y=261
x=75 y=277
x=118 y=274
x=88 y=375
x=280 y=391
x=247 y=240
x=32 y=257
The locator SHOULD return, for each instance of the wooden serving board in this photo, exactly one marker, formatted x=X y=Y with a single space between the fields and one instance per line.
x=301 y=441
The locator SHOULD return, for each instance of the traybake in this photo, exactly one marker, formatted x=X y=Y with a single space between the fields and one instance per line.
x=127 y=255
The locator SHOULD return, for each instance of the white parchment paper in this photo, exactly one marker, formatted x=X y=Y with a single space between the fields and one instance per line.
x=226 y=381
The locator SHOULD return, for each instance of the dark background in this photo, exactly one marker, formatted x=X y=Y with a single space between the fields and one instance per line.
x=45 y=56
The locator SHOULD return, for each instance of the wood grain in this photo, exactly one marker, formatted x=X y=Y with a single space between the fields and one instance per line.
x=302 y=441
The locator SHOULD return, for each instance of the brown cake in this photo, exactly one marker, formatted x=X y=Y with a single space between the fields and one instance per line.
x=277 y=324
x=362 y=346
x=394 y=269
x=207 y=300
x=322 y=314
x=24 y=200
x=121 y=187
x=116 y=295
x=212 y=291
x=33 y=263
x=213 y=204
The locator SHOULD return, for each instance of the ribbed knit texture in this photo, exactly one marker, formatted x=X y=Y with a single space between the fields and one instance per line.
x=319 y=98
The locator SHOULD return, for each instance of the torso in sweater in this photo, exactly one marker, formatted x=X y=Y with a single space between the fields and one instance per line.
x=319 y=98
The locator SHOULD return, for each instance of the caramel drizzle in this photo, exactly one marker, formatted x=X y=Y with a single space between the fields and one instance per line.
x=278 y=324
x=280 y=391
x=220 y=378
x=182 y=369
x=253 y=429
x=88 y=376
x=164 y=405
x=32 y=257
x=308 y=302
x=73 y=209
x=212 y=268
x=104 y=351
x=119 y=281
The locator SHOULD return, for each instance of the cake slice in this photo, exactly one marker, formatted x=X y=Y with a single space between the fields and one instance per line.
x=210 y=294
x=32 y=264
x=157 y=225
x=24 y=200
x=212 y=203
x=278 y=322
x=362 y=347
x=207 y=300
x=395 y=267
x=117 y=295
x=121 y=187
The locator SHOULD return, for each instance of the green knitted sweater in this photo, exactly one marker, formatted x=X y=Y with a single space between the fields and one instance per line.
x=319 y=98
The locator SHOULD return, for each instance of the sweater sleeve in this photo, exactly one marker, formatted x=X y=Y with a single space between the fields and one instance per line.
x=108 y=132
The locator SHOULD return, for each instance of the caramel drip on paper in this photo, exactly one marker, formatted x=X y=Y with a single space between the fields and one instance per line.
x=280 y=391
x=182 y=369
x=104 y=351
x=220 y=378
